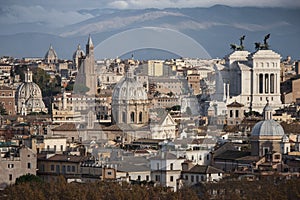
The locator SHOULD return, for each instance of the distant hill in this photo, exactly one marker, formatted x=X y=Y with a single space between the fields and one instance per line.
x=214 y=28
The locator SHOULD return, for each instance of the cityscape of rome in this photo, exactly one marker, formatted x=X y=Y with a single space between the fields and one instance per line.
x=121 y=100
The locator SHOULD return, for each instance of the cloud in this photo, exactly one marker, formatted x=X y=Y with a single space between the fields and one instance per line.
x=37 y=14
x=258 y=27
x=118 y=4
x=118 y=22
x=139 y=4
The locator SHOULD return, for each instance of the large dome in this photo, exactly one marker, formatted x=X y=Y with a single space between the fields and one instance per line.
x=29 y=90
x=267 y=128
x=29 y=96
x=129 y=89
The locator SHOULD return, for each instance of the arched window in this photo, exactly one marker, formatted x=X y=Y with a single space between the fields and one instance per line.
x=141 y=117
x=132 y=117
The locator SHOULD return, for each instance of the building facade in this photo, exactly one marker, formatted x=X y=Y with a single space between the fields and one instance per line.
x=254 y=78
x=16 y=164
x=7 y=98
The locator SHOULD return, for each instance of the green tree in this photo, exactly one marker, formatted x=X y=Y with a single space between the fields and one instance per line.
x=28 y=178
x=70 y=86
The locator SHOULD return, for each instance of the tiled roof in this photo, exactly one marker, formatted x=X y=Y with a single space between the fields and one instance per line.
x=65 y=127
x=204 y=169
x=232 y=155
x=65 y=158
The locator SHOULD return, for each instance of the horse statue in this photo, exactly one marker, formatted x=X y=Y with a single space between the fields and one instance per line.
x=240 y=47
x=264 y=46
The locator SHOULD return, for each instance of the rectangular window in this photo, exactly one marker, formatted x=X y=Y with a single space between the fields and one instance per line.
x=267 y=83
x=52 y=167
x=261 y=83
x=192 y=178
x=236 y=113
x=10 y=177
x=57 y=168
x=147 y=178
x=171 y=166
x=157 y=178
x=197 y=179
x=73 y=168
x=171 y=178
x=61 y=147
x=10 y=166
x=272 y=83
x=29 y=165
x=109 y=173
x=68 y=168
x=42 y=168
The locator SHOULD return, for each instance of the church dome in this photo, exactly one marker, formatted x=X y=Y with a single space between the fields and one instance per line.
x=78 y=53
x=267 y=128
x=29 y=96
x=29 y=90
x=51 y=55
x=129 y=89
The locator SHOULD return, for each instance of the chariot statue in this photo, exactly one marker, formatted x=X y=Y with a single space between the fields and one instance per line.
x=264 y=46
x=240 y=47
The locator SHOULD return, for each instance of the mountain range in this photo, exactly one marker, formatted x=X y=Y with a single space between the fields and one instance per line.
x=214 y=28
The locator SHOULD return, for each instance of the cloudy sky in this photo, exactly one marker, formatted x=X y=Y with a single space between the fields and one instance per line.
x=64 y=12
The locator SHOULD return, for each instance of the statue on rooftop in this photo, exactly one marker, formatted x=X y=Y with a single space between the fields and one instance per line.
x=240 y=47
x=264 y=46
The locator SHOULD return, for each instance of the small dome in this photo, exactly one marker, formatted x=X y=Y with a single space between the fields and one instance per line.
x=267 y=128
x=51 y=55
x=78 y=53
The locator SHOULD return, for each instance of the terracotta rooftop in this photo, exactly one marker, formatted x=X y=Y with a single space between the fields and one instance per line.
x=65 y=127
x=204 y=169
x=64 y=158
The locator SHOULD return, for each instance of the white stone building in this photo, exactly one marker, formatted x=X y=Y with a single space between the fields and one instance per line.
x=253 y=78
x=166 y=169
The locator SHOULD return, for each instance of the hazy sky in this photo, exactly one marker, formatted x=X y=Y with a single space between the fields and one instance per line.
x=64 y=12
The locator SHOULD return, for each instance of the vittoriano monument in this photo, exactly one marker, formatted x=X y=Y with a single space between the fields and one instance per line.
x=264 y=46
x=240 y=47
